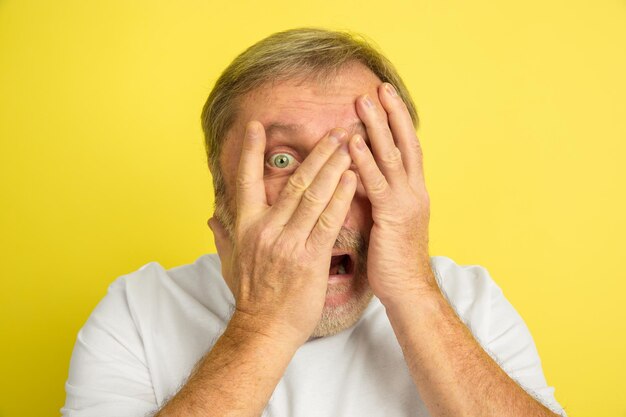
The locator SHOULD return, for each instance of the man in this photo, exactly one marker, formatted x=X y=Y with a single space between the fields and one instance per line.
x=328 y=303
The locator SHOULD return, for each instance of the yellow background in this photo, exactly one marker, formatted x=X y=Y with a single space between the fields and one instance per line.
x=523 y=109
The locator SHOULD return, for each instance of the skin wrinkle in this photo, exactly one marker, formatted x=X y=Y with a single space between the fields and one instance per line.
x=452 y=374
x=286 y=134
x=343 y=316
x=292 y=120
x=299 y=129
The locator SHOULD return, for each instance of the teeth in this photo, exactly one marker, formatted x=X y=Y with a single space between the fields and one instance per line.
x=341 y=270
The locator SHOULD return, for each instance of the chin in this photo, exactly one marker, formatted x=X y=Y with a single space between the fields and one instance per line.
x=342 y=311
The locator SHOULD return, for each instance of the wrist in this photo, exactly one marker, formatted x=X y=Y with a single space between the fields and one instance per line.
x=246 y=328
x=419 y=301
x=415 y=289
x=417 y=309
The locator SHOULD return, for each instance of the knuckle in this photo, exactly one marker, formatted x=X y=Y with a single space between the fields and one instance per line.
x=310 y=198
x=296 y=183
x=413 y=149
x=314 y=243
x=326 y=221
x=378 y=186
x=414 y=146
x=392 y=157
x=243 y=182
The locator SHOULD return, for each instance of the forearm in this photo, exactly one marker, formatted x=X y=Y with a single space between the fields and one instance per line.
x=453 y=374
x=235 y=379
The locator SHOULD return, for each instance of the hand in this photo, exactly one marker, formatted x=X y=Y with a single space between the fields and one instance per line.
x=277 y=263
x=398 y=261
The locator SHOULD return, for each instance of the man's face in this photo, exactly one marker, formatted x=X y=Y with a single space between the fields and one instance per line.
x=296 y=115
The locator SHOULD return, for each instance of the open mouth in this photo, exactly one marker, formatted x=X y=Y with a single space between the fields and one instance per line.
x=341 y=265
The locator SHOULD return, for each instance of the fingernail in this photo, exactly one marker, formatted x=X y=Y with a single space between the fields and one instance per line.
x=391 y=90
x=359 y=143
x=252 y=128
x=368 y=101
x=347 y=179
x=337 y=134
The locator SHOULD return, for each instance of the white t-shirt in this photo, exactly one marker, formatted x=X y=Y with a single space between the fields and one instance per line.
x=143 y=339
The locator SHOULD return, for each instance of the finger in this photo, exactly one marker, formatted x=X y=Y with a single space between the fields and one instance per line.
x=250 y=186
x=301 y=179
x=388 y=156
x=328 y=226
x=403 y=131
x=317 y=196
x=374 y=182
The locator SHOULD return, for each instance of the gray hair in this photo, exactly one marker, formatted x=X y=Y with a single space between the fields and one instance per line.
x=315 y=53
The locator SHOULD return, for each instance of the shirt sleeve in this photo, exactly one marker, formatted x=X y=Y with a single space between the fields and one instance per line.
x=511 y=345
x=108 y=375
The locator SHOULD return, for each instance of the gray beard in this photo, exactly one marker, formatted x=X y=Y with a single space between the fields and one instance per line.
x=337 y=318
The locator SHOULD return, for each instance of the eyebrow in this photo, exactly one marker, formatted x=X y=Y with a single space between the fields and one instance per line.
x=292 y=128
x=282 y=127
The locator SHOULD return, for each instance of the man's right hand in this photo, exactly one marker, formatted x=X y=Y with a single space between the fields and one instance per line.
x=278 y=259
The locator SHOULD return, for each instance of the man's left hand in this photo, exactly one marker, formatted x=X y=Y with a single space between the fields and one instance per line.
x=398 y=265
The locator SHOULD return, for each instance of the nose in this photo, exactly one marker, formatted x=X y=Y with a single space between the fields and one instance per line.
x=359 y=216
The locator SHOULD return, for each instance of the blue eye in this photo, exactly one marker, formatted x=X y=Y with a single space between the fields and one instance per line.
x=280 y=160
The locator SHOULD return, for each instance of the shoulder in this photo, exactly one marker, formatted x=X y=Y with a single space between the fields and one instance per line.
x=495 y=323
x=153 y=274
x=137 y=296
x=145 y=335
x=470 y=289
x=475 y=297
x=453 y=277
x=199 y=282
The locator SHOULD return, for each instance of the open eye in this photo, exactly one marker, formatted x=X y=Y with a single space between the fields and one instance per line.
x=280 y=160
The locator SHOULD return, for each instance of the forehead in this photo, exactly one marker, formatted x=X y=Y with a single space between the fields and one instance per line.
x=307 y=108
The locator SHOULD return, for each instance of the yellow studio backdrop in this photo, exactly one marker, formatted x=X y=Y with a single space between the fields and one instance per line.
x=523 y=110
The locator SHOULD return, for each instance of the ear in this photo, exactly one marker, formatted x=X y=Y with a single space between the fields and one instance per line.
x=224 y=249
